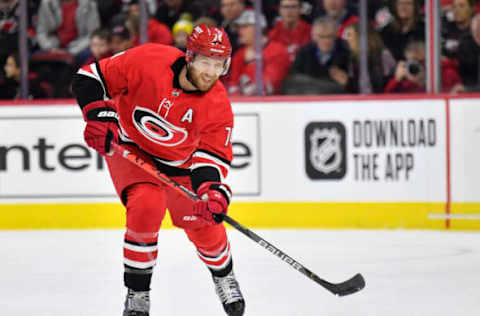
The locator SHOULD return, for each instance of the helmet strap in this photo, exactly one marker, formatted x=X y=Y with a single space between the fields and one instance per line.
x=226 y=66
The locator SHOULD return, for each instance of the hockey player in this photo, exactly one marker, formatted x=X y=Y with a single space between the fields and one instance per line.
x=170 y=109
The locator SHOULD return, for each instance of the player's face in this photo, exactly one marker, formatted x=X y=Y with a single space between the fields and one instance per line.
x=205 y=71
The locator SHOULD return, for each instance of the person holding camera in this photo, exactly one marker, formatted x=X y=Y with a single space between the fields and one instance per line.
x=410 y=75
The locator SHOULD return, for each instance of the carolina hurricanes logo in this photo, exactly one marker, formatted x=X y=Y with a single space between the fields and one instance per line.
x=157 y=129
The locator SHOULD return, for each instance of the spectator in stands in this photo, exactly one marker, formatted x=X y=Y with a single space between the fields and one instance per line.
x=9 y=27
x=337 y=10
x=208 y=21
x=446 y=4
x=180 y=32
x=120 y=39
x=169 y=11
x=321 y=66
x=463 y=11
x=66 y=25
x=406 y=26
x=381 y=64
x=10 y=88
x=230 y=11
x=270 y=9
x=447 y=7
x=157 y=32
x=121 y=17
x=99 y=45
x=468 y=64
x=276 y=60
x=107 y=10
x=379 y=13
x=151 y=5
x=410 y=73
x=290 y=29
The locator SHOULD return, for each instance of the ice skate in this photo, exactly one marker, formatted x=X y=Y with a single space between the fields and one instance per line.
x=137 y=303
x=228 y=291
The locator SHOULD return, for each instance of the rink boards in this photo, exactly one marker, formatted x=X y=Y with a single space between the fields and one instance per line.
x=368 y=162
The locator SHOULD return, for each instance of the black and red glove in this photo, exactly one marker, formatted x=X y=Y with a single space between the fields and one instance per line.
x=102 y=126
x=214 y=199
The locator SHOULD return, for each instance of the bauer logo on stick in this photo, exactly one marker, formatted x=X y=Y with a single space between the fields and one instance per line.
x=325 y=150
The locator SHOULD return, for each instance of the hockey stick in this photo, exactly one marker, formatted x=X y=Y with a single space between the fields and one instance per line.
x=353 y=285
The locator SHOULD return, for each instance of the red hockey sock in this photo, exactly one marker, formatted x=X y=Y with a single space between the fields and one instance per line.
x=145 y=212
x=213 y=248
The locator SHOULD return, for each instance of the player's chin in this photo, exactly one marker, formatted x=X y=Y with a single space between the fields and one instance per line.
x=204 y=86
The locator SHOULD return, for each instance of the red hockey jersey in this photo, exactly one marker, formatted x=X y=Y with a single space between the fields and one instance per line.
x=178 y=128
x=157 y=33
x=292 y=39
x=276 y=63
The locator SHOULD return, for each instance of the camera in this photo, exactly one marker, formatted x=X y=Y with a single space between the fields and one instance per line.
x=413 y=67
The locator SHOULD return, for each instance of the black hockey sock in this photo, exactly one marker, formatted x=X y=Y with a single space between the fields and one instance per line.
x=137 y=279
x=223 y=272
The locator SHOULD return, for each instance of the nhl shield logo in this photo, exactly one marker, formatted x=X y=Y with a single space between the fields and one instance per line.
x=325 y=150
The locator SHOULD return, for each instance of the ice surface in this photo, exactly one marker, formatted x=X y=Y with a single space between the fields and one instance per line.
x=408 y=273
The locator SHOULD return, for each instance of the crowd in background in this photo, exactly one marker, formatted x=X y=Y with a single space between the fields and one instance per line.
x=309 y=47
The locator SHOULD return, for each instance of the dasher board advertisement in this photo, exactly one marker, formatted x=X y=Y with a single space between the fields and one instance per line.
x=339 y=151
x=353 y=151
x=465 y=149
x=43 y=156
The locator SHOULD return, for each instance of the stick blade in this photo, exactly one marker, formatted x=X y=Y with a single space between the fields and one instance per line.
x=355 y=284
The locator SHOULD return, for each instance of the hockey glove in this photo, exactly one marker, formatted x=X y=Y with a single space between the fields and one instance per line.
x=102 y=126
x=214 y=200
